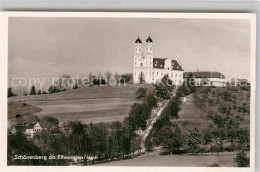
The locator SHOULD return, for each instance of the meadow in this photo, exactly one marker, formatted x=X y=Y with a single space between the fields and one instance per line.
x=88 y=104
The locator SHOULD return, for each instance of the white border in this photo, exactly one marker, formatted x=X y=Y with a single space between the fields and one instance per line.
x=3 y=87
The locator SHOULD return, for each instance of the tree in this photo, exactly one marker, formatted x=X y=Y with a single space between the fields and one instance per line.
x=53 y=89
x=173 y=138
x=148 y=143
x=10 y=92
x=141 y=78
x=125 y=141
x=66 y=81
x=117 y=77
x=33 y=90
x=141 y=92
x=50 y=123
x=207 y=137
x=39 y=92
x=108 y=77
x=193 y=140
x=162 y=91
x=136 y=118
x=128 y=77
x=99 y=141
x=114 y=139
x=150 y=100
x=18 y=144
x=90 y=77
x=241 y=159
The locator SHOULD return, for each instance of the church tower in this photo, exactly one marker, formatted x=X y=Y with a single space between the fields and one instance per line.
x=149 y=52
x=149 y=59
x=139 y=60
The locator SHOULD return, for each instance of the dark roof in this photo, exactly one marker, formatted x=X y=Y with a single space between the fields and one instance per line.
x=138 y=40
x=176 y=65
x=158 y=63
x=204 y=74
x=149 y=39
x=31 y=125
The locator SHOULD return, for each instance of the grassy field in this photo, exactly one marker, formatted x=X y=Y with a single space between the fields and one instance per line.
x=23 y=109
x=183 y=160
x=190 y=116
x=89 y=104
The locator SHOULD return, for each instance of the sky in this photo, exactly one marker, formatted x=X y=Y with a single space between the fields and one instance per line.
x=50 y=47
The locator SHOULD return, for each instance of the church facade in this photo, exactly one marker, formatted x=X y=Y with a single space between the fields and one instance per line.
x=148 y=69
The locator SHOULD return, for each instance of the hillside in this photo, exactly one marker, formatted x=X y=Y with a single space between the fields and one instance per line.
x=88 y=104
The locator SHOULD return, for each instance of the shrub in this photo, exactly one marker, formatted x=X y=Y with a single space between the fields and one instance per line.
x=141 y=92
x=242 y=160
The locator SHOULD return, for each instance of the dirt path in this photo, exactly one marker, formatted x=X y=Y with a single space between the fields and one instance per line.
x=150 y=126
x=155 y=118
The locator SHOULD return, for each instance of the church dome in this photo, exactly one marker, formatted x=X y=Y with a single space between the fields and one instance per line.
x=138 y=41
x=149 y=39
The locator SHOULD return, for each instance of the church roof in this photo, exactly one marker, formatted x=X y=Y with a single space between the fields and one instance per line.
x=176 y=65
x=149 y=39
x=159 y=63
x=204 y=74
x=138 y=41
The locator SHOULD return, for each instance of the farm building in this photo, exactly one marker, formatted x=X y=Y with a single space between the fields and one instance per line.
x=206 y=78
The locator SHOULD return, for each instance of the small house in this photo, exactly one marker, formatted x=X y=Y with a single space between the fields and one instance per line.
x=32 y=129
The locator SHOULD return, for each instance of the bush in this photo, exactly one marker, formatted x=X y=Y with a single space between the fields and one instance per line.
x=141 y=92
x=242 y=160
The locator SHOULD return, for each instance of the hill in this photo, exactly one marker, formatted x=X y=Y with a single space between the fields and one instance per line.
x=88 y=104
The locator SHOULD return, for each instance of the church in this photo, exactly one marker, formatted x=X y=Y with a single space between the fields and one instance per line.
x=148 y=69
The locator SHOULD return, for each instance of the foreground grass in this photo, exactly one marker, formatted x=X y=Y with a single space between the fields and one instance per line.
x=182 y=160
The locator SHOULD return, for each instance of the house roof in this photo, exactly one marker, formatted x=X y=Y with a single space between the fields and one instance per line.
x=159 y=63
x=204 y=74
x=31 y=125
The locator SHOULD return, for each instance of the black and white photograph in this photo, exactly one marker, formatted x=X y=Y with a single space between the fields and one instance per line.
x=130 y=89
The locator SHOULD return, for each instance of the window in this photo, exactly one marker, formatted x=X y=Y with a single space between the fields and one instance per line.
x=150 y=48
x=176 y=75
x=150 y=63
x=171 y=75
x=141 y=64
x=140 y=49
x=157 y=73
x=180 y=75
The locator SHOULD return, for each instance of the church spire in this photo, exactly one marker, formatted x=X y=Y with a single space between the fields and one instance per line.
x=138 y=40
x=149 y=39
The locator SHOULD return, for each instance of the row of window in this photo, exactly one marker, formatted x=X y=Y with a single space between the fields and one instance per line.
x=136 y=49
x=176 y=75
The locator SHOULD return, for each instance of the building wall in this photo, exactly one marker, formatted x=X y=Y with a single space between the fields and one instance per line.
x=217 y=82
